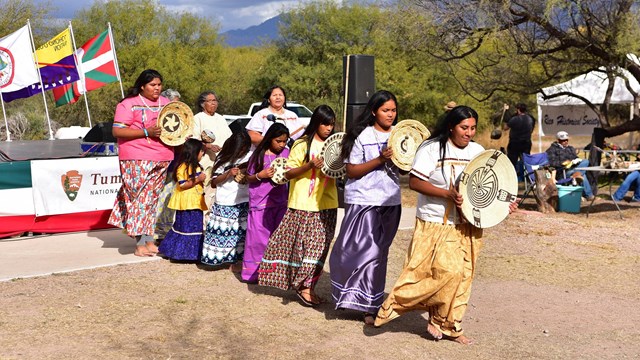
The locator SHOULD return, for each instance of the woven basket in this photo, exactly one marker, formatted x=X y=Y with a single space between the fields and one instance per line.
x=280 y=165
x=175 y=120
x=404 y=140
x=332 y=164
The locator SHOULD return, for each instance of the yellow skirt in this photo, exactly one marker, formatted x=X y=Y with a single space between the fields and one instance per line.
x=437 y=275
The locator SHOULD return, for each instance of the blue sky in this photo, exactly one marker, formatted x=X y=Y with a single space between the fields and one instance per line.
x=230 y=14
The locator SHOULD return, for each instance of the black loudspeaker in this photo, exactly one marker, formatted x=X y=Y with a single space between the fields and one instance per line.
x=101 y=132
x=362 y=81
x=353 y=111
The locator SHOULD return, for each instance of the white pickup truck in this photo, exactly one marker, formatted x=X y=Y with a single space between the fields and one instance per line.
x=304 y=114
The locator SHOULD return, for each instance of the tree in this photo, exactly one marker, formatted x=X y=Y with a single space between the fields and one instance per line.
x=523 y=45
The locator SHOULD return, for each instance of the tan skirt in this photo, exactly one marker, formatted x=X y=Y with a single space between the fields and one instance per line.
x=437 y=275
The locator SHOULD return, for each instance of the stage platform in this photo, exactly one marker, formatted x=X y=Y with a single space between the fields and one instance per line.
x=25 y=150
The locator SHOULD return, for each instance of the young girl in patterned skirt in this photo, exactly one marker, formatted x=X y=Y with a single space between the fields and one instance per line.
x=267 y=200
x=298 y=248
x=227 y=226
x=184 y=239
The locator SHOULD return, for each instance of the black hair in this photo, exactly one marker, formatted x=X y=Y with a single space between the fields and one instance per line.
x=521 y=107
x=365 y=119
x=322 y=115
x=234 y=148
x=257 y=158
x=189 y=155
x=143 y=79
x=202 y=98
x=267 y=95
x=443 y=132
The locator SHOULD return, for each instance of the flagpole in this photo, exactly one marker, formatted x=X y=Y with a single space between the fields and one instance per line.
x=44 y=99
x=115 y=59
x=80 y=73
x=6 y=123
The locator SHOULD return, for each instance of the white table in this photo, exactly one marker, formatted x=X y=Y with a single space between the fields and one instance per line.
x=606 y=170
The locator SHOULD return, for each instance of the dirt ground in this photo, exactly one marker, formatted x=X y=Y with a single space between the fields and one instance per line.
x=548 y=286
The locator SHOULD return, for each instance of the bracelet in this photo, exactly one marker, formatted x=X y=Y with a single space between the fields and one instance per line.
x=257 y=178
x=146 y=134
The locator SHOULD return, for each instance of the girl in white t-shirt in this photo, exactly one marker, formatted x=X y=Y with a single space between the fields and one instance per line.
x=226 y=230
x=441 y=260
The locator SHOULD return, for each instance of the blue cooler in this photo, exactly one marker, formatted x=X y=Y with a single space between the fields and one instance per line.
x=569 y=198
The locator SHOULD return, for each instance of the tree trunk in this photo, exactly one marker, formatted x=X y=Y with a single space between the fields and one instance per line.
x=546 y=192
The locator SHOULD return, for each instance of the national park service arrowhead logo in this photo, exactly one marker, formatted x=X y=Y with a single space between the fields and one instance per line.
x=71 y=182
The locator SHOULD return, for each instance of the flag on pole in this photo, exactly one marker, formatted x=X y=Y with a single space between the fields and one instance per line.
x=56 y=65
x=17 y=70
x=96 y=60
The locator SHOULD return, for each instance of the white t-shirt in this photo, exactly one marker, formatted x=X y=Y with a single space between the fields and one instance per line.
x=260 y=123
x=428 y=166
x=230 y=192
x=380 y=187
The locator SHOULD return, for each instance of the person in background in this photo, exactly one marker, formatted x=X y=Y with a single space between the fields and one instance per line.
x=184 y=240
x=208 y=119
x=273 y=109
x=564 y=158
x=520 y=128
x=164 y=215
x=632 y=178
x=144 y=160
x=372 y=199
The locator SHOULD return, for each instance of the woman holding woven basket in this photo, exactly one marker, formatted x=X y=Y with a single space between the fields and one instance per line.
x=143 y=160
x=441 y=259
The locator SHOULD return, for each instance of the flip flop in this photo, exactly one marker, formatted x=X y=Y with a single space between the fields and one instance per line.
x=304 y=301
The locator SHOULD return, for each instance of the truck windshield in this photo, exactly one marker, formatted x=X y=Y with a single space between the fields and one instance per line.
x=301 y=111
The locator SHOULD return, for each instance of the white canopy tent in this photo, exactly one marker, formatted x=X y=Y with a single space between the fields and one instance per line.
x=571 y=114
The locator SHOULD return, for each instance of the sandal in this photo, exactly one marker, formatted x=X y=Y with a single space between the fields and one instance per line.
x=306 y=302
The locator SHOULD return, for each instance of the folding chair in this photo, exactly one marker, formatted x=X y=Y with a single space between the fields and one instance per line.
x=531 y=163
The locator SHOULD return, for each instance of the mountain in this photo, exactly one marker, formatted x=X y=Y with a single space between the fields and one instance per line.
x=254 y=35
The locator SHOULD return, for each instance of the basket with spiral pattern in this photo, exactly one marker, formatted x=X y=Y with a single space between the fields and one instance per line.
x=332 y=165
x=404 y=140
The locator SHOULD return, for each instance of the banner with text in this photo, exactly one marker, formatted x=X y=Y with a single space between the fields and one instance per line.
x=69 y=186
x=574 y=119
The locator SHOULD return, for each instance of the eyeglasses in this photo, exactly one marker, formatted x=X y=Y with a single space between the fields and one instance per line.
x=563 y=140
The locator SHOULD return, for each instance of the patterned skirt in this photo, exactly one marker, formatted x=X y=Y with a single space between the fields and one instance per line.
x=164 y=215
x=225 y=234
x=137 y=199
x=358 y=260
x=297 y=250
x=184 y=240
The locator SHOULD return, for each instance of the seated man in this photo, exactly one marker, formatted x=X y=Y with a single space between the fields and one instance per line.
x=564 y=156
x=633 y=177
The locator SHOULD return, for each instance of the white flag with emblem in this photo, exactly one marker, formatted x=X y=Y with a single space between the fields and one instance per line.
x=17 y=68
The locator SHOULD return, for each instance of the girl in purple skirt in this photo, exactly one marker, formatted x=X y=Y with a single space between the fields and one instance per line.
x=267 y=200
x=184 y=239
x=358 y=260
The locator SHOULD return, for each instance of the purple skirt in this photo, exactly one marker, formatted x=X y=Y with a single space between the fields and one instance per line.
x=261 y=224
x=184 y=240
x=358 y=261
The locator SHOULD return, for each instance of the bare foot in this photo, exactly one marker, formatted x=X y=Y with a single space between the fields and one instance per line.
x=369 y=319
x=461 y=340
x=434 y=332
x=236 y=268
x=142 y=251
x=151 y=247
